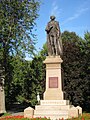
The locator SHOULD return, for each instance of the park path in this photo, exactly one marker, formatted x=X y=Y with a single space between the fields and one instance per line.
x=16 y=113
x=16 y=109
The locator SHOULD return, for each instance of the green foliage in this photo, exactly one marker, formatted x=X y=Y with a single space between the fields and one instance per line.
x=6 y=114
x=35 y=78
x=75 y=66
x=44 y=52
x=15 y=79
x=28 y=78
x=17 y=23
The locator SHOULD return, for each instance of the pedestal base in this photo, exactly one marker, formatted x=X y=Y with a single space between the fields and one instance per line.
x=56 y=109
x=53 y=94
x=53 y=109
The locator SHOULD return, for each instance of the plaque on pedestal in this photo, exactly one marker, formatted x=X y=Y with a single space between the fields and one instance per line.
x=53 y=82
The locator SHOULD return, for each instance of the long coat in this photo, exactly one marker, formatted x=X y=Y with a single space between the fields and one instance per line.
x=54 y=42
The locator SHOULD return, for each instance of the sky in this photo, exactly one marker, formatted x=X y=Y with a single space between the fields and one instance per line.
x=72 y=15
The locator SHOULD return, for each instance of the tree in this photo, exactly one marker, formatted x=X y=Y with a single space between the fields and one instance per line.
x=17 y=21
x=85 y=51
x=34 y=81
x=15 y=80
x=75 y=66
x=28 y=78
x=35 y=77
x=71 y=65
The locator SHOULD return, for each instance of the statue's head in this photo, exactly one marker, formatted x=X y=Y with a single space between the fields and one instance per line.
x=52 y=17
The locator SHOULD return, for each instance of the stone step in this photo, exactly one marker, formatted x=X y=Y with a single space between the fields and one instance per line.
x=52 y=107
x=52 y=117
x=52 y=114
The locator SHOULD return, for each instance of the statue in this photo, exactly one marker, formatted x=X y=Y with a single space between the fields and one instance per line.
x=54 y=42
x=38 y=97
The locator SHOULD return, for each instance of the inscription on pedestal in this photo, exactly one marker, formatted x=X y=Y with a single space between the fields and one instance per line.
x=54 y=102
x=53 y=82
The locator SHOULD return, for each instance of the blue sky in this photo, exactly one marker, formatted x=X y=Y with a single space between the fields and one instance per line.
x=72 y=15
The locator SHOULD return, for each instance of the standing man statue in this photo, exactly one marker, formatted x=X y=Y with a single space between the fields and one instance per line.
x=54 y=42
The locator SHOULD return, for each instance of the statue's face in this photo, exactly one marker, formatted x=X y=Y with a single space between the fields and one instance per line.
x=52 y=17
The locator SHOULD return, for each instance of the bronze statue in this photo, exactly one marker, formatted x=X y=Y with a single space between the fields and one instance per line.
x=54 y=42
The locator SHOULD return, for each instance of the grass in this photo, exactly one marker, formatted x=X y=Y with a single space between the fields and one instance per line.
x=6 y=116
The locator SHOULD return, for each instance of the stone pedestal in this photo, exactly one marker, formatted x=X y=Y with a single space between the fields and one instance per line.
x=54 y=106
x=28 y=112
x=53 y=78
x=56 y=109
x=53 y=109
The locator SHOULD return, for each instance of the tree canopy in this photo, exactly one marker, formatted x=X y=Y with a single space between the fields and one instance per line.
x=17 y=20
x=17 y=26
x=76 y=67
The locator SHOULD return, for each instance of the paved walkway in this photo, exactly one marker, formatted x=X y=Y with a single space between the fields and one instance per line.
x=18 y=113
x=16 y=109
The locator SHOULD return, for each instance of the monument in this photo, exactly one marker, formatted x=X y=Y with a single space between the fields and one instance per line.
x=53 y=105
x=53 y=61
x=2 y=95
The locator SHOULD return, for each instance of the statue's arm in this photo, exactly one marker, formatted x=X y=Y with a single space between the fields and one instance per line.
x=48 y=27
x=58 y=29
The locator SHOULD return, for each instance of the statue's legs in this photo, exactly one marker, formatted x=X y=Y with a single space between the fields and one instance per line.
x=49 y=46
x=52 y=45
x=56 y=46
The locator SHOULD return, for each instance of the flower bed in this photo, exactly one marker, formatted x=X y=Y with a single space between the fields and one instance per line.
x=85 y=116
x=21 y=118
x=13 y=118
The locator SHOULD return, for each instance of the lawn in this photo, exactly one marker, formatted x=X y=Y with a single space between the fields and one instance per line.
x=85 y=116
